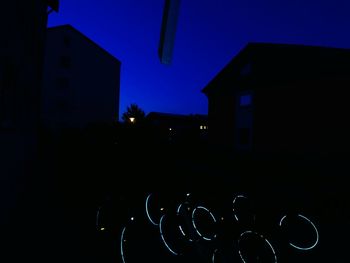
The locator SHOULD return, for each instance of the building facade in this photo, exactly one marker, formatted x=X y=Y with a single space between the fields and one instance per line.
x=81 y=82
x=281 y=98
x=23 y=28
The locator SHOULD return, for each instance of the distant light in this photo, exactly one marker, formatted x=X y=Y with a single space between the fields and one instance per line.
x=170 y=129
x=132 y=218
x=132 y=119
x=162 y=209
x=201 y=127
x=222 y=219
x=102 y=229
x=188 y=194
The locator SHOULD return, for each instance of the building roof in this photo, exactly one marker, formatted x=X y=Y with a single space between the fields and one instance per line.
x=174 y=115
x=74 y=30
x=280 y=62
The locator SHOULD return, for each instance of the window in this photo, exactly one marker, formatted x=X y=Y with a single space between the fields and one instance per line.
x=66 y=41
x=62 y=105
x=246 y=70
x=63 y=83
x=245 y=100
x=244 y=136
x=65 y=62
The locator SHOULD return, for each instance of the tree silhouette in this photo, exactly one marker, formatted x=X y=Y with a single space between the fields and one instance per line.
x=133 y=114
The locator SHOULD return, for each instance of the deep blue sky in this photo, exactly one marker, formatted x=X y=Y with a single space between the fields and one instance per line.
x=210 y=33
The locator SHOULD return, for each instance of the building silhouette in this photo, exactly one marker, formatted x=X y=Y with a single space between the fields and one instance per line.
x=281 y=98
x=23 y=27
x=81 y=82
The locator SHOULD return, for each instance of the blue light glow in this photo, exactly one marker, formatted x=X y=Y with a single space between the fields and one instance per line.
x=245 y=100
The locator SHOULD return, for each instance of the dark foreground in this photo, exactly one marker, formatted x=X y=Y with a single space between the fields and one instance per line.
x=74 y=180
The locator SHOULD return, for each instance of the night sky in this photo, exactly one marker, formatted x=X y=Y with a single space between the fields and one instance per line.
x=209 y=34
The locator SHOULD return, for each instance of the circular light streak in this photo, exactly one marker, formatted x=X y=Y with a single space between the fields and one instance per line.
x=194 y=223
x=314 y=227
x=122 y=245
x=260 y=236
x=147 y=211
x=178 y=211
x=234 y=202
x=163 y=238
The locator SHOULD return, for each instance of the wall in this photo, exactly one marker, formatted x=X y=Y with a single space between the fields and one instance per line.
x=92 y=92
x=22 y=24
x=307 y=116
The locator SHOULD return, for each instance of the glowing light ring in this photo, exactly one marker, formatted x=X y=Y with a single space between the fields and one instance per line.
x=147 y=212
x=122 y=245
x=261 y=236
x=163 y=239
x=194 y=224
x=233 y=203
x=312 y=224
x=180 y=227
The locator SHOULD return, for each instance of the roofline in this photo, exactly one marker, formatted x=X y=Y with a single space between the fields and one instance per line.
x=250 y=45
x=176 y=114
x=68 y=26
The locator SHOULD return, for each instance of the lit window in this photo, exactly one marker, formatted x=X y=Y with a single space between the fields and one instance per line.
x=245 y=100
x=201 y=127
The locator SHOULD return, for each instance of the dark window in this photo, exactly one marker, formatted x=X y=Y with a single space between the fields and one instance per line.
x=245 y=100
x=246 y=70
x=62 y=105
x=65 y=62
x=244 y=136
x=66 y=41
x=63 y=83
